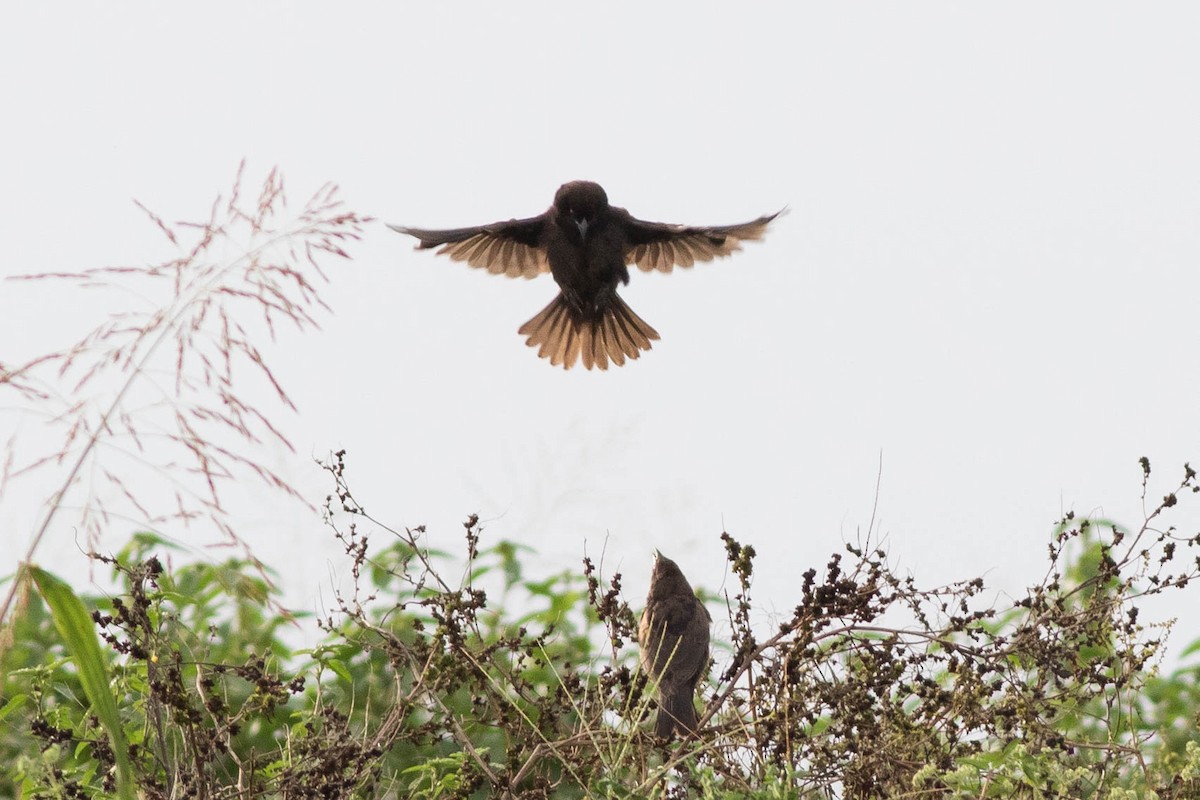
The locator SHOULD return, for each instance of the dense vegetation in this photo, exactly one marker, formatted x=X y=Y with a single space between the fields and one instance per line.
x=501 y=682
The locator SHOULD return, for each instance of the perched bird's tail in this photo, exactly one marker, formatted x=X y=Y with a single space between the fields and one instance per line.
x=675 y=711
x=563 y=335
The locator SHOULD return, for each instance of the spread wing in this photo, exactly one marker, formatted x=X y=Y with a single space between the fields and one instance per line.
x=659 y=246
x=502 y=248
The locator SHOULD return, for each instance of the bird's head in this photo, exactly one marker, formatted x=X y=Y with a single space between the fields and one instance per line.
x=667 y=578
x=579 y=205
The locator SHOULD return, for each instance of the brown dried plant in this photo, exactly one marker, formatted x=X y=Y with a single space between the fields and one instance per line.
x=445 y=679
x=147 y=423
x=874 y=685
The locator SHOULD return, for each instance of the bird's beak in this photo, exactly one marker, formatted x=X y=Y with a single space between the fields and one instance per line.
x=582 y=224
x=657 y=554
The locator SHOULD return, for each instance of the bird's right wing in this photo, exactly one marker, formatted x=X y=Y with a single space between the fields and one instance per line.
x=660 y=246
x=502 y=248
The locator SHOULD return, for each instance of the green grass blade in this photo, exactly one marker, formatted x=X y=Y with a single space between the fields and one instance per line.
x=75 y=626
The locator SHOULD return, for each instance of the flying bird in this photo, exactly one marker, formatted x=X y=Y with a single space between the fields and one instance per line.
x=588 y=246
x=673 y=638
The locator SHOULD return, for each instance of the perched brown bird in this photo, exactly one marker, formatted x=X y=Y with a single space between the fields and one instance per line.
x=673 y=637
x=588 y=246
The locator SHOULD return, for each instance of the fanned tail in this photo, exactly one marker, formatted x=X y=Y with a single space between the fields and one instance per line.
x=564 y=336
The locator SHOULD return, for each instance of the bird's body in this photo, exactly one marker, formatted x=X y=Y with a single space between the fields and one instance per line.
x=673 y=638
x=588 y=246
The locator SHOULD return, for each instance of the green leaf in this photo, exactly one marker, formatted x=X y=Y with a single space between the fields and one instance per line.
x=340 y=669
x=75 y=626
x=1191 y=648
x=14 y=703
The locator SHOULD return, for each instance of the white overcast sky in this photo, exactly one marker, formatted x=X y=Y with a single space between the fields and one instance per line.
x=989 y=272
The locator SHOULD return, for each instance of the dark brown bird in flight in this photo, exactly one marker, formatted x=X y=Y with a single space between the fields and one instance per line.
x=588 y=246
x=673 y=637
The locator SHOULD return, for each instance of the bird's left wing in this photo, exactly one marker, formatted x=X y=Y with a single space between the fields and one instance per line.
x=502 y=248
x=660 y=246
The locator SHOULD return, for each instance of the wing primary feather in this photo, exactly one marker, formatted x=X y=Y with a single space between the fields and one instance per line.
x=499 y=256
x=464 y=251
x=685 y=255
x=520 y=259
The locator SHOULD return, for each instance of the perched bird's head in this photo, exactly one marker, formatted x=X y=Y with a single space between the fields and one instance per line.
x=667 y=579
x=579 y=204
